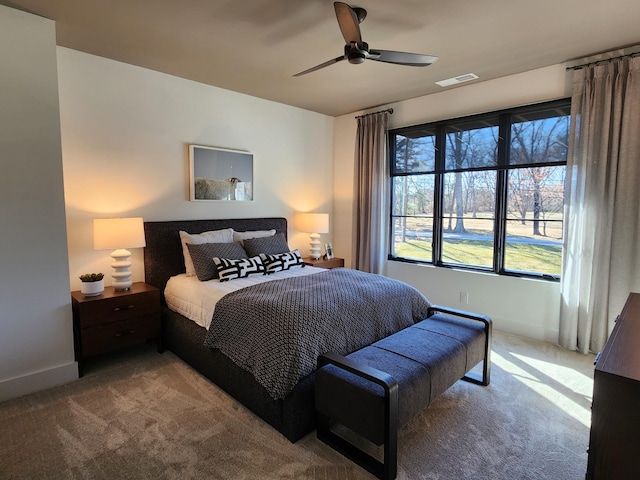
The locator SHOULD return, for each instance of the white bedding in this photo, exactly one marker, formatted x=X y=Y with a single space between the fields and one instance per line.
x=197 y=300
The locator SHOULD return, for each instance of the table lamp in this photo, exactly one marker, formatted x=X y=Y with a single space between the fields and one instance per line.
x=119 y=234
x=314 y=224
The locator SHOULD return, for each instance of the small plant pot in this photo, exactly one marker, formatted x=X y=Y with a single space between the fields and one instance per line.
x=92 y=289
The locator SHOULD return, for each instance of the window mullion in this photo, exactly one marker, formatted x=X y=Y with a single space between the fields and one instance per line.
x=500 y=231
x=500 y=220
x=438 y=196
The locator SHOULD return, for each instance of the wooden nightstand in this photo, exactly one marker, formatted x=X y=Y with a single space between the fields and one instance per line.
x=114 y=319
x=322 y=263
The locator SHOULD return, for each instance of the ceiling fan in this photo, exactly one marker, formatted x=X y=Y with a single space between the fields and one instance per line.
x=357 y=51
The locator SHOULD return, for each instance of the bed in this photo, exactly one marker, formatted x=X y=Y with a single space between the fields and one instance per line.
x=289 y=410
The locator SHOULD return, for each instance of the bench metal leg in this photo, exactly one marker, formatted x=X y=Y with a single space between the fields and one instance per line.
x=486 y=321
x=388 y=468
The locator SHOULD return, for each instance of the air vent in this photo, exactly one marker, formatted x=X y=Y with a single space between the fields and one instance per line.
x=459 y=79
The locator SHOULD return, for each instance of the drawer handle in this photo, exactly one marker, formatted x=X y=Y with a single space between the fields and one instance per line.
x=128 y=332
x=128 y=307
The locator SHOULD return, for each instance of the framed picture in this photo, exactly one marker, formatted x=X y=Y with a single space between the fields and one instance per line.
x=329 y=250
x=220 y=174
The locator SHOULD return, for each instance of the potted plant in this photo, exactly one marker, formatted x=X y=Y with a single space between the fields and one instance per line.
x=92 y=284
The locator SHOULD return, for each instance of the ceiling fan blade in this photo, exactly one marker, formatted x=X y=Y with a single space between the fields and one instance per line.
x=348 y=22
x=322 y=65
x=401 y=58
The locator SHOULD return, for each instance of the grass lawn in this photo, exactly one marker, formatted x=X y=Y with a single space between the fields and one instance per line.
x=519 y=256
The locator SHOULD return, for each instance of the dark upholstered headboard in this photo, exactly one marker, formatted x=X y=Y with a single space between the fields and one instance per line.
x=163 y=253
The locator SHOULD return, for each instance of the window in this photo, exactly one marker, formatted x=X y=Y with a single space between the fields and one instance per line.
x=484 y=192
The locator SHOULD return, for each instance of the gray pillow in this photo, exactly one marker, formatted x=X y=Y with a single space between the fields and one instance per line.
x=267 y=245
x=203 y=254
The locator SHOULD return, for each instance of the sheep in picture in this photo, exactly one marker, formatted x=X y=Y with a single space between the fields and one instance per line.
x=214 y=189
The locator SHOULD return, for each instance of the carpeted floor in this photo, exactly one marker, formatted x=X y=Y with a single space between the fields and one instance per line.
x=138 y=415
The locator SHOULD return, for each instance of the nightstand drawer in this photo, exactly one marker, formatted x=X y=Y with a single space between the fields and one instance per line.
x=118 y=308
x=110 y=336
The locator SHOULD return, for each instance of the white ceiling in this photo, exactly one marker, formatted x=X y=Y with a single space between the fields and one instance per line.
x=255 y=46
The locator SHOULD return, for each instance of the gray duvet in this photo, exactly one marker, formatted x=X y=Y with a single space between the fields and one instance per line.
x=277 y=329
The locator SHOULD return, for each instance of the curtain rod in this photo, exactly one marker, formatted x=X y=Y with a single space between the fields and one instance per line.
x=390 y=110
x=605 y=60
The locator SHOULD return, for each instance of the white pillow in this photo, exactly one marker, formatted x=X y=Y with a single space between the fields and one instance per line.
x=213 y=236
x=242 y=236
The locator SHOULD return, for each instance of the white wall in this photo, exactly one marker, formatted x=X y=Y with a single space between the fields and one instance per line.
x=125 y=133
x=520 y=306
x=36 y=342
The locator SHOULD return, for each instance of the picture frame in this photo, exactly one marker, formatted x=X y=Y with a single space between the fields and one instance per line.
x=220 y=174
x=329 y=251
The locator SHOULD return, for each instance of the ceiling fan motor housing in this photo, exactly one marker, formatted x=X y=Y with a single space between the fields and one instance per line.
x=356 y=53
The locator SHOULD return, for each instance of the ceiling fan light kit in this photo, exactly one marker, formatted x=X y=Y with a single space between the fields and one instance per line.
x=356 y=50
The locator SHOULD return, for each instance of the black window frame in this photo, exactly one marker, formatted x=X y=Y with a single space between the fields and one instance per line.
x=505 y=119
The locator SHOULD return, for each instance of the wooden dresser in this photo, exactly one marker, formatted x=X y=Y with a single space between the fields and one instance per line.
x=614 y=444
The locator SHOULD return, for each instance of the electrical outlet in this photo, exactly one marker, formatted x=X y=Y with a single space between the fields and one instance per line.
x=464 y=298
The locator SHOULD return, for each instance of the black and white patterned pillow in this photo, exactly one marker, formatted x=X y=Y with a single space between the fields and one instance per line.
x=269 y=245
x=202 y=256
x=229 y=269
x=282 y=261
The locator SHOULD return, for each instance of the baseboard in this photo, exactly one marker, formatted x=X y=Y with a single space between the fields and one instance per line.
x=536 y=332
x=34 y=382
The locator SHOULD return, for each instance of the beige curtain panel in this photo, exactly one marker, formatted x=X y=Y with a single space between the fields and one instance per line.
x=601 y=263
x=370 y=193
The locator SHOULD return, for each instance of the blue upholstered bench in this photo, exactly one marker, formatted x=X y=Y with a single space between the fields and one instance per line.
x=376 y=390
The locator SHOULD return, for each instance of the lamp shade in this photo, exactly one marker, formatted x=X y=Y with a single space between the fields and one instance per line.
x=313 y=222
x=113 y=233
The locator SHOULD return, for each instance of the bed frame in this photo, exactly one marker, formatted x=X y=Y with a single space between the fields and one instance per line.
x=293 y=416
